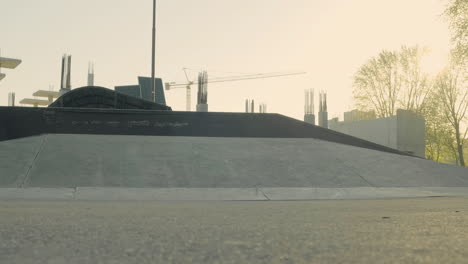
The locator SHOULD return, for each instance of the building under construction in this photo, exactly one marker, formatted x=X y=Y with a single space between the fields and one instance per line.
x=309 y=111
x=202 y=95
x=65 y=81
x=8 y=63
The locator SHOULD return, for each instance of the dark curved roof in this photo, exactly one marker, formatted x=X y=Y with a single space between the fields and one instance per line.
x=100 y=97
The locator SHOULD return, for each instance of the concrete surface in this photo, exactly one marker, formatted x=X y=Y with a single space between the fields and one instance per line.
x=72 y=161
x=225 y=194
x=429 y=230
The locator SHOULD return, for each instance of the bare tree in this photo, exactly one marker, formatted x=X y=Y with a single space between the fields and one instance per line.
x=377 y=83
x=457 y=14
x=452 y=91
x=392 y=80
x=415 y=83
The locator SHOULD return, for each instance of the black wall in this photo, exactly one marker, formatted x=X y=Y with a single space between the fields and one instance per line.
x=17 y=122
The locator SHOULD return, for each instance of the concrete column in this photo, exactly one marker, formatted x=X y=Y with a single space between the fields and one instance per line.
x=323 y=119
x=309 y=118
x=202 y=107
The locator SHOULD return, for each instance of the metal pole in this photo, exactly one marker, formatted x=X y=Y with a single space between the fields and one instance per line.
x=153 y=52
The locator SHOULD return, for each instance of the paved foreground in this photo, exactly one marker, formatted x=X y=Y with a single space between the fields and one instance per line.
x=431 y=230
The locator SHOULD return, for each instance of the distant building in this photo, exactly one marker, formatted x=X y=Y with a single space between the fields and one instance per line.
x=405 y=131
x=249 y=105
x=309 y=111
x=90 y=74
x=333 y=122
x=65 y=79
x=8 y=63
x=11 y=99
x=50 y=95
x=356 y=115
x=262 y=108
x=202 y=95
x=143 y=90
x=323 y=110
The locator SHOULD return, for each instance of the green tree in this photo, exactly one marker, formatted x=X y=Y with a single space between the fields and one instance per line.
x=452 y=90
x=395 y=80
x=439 y=136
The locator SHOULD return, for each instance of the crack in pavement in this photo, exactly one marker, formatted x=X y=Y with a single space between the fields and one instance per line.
x=26 y=177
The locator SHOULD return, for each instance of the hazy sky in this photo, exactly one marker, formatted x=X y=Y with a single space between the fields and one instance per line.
x=329 y=39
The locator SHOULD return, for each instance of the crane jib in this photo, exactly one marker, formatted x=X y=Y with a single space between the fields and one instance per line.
x=174 y=85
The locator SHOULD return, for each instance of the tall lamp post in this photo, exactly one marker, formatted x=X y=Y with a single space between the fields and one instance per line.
x=153 y=50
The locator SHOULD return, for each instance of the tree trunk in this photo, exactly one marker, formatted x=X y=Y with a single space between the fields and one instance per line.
x=459 y=147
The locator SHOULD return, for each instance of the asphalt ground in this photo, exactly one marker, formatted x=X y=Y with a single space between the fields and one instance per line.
x=429 y=230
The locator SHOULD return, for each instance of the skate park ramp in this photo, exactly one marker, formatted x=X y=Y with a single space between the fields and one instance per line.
x=108 y=167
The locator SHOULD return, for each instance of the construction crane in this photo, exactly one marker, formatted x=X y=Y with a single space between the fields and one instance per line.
x=189 y=83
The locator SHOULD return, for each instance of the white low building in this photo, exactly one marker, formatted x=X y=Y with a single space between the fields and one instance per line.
x=405 y=131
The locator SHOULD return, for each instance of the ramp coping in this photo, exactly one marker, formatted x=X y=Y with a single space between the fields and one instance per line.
x=226 y=194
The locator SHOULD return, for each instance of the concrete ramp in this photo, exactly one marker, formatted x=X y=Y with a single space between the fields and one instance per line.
x=225 y=194
x=17 y=158
x=73 y=161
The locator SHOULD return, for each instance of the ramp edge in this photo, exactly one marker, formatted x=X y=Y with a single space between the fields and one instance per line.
x=226 y=194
